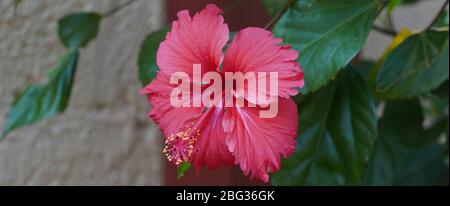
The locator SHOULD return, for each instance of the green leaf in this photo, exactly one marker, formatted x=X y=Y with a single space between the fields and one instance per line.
x=39 y=102
x=425 y=168
x=274 y=6
x=147 y=56
x=182 y=169
x=442 y=20
x=446 y=161
x=364 y=68
x=392 y=5
x=328 y=34
x=442 y=91
x=404 y=154
x=337 y=131
x=395 y=3
x=437 y=130
x=76 y=30
x=435 y=106
x=416 y=66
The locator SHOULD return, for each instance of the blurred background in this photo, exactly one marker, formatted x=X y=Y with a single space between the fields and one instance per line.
x=105 y=137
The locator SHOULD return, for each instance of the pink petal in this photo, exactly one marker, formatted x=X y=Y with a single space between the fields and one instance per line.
x=197 y=40
x=257 y=144
x=212 y=150
x=170 y=119
x=256 y=50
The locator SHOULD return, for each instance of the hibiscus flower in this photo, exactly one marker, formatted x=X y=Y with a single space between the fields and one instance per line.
x=212 y=136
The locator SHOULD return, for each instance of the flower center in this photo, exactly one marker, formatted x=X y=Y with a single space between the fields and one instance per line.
x=179 y=147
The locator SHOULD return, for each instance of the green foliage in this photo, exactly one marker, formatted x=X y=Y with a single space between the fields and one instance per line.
x=147 y=56
x=364 y=67
x=76 y=30
x=328 y=34
x=418 y=65
x=183 y=168
x=435 y=106
x=405 y=153
x=442 y=20
x=393 y=4
x=337 y=131
x=426 y=167
x=39 y=102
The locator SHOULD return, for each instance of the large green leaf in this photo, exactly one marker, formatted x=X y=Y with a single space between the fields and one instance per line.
x=147 y=56
x=337 y=131
x=404 y=153
x=425 y=167
x=41 y=101
x=328 y=34
x=416 y=66
x=76 y=30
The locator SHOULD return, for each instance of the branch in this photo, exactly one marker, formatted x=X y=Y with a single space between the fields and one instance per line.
x=277 y=17
x=436 y=18
x=385 y=31
x=390 y=22
x=383 y=4
x=118 y=8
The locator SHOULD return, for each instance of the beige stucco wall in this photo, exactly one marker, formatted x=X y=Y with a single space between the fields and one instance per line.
x=105 y=137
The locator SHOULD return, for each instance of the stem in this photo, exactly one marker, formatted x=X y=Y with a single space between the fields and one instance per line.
x=278 y=15
x=388 y=31
x=390 y=23
x=118 y=8
x=384 y=31
x=383 y=3
x=436 y=18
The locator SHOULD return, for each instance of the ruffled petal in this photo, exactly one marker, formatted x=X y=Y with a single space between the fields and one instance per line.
x=169 y=118
x=257 y=144
x=256 y=50
x=211 y=148
x=197 y=40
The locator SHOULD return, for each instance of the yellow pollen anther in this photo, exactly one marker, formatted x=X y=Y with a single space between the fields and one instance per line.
x=179 y=147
